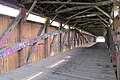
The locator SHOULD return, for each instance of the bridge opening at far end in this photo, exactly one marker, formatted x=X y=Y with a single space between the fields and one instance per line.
x=100 y=39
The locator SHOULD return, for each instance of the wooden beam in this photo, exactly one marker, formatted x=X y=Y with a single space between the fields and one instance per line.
x=47 y=24
x=88 y=15
x=53 y=44
x=60 y=37
x=79 y=13
x=21 y=38
x=72 y=39
x=74 y=24
x=41 y=32
x=10 y=29
x=103 y=24
x=61 y=6
x=103 y=19
x=66 y=23
x=103 y=11
x=31 y=8
x=27 y=1
x=53 y=19
x=64 y=40
x=73 y=8
x=20 y=45
x=78 y=41
x=86 y=23
x=69 y=38
x=77 y=3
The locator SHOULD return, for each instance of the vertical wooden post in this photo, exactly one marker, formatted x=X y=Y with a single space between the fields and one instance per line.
x=60 y=37
x=46 y=40
x=69 y=38
x=118 y=56
x=78 y=42
x=64 y=40
x=79 y=39
x=74 y=39
x=53 y=44
x=22 y=37
x=32 y=51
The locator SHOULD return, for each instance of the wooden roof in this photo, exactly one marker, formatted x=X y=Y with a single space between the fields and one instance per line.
x=89 y=15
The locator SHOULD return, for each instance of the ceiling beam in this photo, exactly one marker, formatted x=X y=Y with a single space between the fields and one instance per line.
x=61 y=6
x=79 y=13
x=103 y=19
x=72 y=9
x=73 y=3
x=30 y=10
x=89 y=23
x=27 y=1
x=103 y=24
x=103 y=11
x=88 y=15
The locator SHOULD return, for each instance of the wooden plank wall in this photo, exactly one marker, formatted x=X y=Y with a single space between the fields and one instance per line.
x=10 y=62
x=28 y=30
x=21 y=33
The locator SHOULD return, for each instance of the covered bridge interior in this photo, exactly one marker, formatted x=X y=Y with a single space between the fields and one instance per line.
x=34 y=32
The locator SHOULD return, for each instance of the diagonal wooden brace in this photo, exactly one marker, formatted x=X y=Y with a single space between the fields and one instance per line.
x=64 y=40
x=10 y=29
x=53 y=44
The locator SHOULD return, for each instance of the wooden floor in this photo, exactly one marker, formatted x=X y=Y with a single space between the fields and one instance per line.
x=91 y=63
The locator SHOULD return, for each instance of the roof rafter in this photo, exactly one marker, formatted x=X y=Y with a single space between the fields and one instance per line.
x=78 y=3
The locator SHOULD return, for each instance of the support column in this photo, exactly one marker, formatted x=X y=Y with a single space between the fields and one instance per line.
x=61 y=37
x=53 y=45
x=118 y=53
x=22 y=38
x=74 y=39
x=69 y=38
x=64 y=40
x=46 y=40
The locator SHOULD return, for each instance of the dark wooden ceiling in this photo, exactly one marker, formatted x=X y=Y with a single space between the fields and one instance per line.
x=89 y=15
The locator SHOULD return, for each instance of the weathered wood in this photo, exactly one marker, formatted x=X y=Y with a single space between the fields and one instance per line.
x=103 y=24
x=103 y=11
x=47 y=24
x=73 y=8
x=60 y=37
x=66 y=23
x=22 y=37
x=72 y=39
x=41 y=32
x=64 y=40
x=61 y=6
x=77 y=3
x=53 y=44
x=69 y=38
x=79 y=13
x=83 y=36
x=10 y=29
x=91 y=63
x=31 y=8
x=18 y=46
x=77 y=39
x=53 y=18
x=103 y=19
